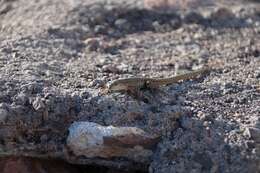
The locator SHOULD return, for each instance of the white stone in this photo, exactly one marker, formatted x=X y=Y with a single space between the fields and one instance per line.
x=93 y=140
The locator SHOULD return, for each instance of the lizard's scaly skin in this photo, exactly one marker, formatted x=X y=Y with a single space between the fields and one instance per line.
x=154 y=83
x=139 y=82
x=127 y=83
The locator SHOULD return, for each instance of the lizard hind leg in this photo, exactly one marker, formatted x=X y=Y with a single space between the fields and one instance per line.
x=154 y=89
x=139 y=95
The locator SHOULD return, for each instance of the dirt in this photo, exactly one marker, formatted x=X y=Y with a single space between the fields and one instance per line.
x=57 y=56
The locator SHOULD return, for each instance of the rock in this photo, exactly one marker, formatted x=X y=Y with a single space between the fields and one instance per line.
x=38 y=104
x=186 y=122
x=122 y=24
x=100 y=29
x=30 y=165
x=3 y=115
x=110 y=69
x=93 y=140
x=253 y=133
x=31 y=87
x=257 y=122
x=96 y=83
x=175 y=23
x=92 y=44
x=22 y=99
x=5 y=8
x=12 y=165
x=123 y=67
x=193 y=17
x=44 y=139
x=156 y=4
x=222 y=14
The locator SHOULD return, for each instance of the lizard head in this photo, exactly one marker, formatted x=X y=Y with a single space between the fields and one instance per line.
x=117 y=85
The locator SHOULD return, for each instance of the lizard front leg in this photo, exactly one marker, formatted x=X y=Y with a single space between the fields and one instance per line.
x=134 y=92
x=138 y=94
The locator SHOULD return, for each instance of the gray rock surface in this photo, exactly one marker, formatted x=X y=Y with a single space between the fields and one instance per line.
x=57 y=55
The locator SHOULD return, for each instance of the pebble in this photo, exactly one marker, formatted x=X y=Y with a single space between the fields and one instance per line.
x=156 y=4
x=38 y=104
x=100 y=29
x=186 y=122
x=175 y=23
x=3 y=115
x=92 y=44
x=222 y=14
x=96 y=83
x=4 y=8
x=193 y=17
x=253 y=133
x=44 y=138
x=123 y=67
x=110 y=69
x=122 y=24
x=156 y=25
x=21 y=99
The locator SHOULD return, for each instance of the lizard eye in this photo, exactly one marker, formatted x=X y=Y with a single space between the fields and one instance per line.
x=146 y=84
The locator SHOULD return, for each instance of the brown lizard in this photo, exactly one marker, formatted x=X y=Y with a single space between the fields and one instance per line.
x=134 y=84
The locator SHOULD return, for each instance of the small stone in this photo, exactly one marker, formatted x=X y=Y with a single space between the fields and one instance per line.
x=222 y=14
x=122 y=24
x=4 y=8
x=257 y=123
x=38 y=104
x=229 y=99
x=44 y=138
x=253 y=133
x=193 y=17
x=123 y=67
x=100 y=29
x=96 y=83
x=186 y=122
x=110 y=69
x=92 y=44
x=3 y=115
x=32 y=87
x=242 y=100
x=22 y=99
x=175 y=23
x=156 y=4
x=156 y=25
x=99 y=17
x=250 y=144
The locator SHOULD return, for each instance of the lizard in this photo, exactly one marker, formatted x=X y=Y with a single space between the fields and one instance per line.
x=135 y=84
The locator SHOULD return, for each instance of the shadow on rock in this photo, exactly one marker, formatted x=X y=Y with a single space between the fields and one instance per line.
x=116 y=21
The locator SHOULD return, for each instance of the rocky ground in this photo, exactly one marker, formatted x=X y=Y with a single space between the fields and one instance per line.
x=56 y=58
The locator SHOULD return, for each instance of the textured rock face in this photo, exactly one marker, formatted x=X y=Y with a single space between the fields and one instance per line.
x=56 y=56
x=175 y=4
x=29 y=165
x=93 y=140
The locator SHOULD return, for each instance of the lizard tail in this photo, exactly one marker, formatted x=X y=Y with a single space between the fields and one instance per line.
x=175 y=79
